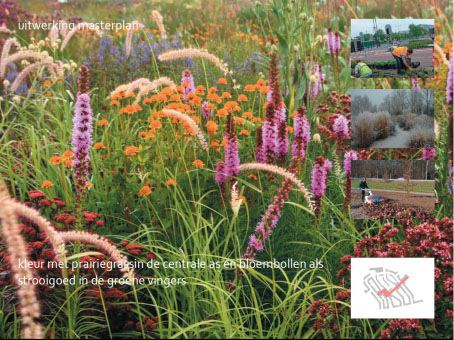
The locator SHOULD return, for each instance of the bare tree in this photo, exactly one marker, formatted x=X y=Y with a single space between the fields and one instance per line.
x=361 y=104
x=416 y=101
x=398 y=102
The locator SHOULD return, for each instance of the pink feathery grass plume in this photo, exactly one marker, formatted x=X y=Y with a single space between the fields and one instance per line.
x=80 y=26
x=29 y=308
x=82 y=139
x=10 y=42
x=157 y=17
x=188 y=120
x=232 y=158
x=194 y=53
x=153 y=86
x=134 y=25
x=187 y=81
x=283 y=142
x=102 y=244
x=320 y=180
x=46 y=229
x=26 y=54
x=144 y=85
x=302 y=134
x=349 y=156
x=428 y=154
x=51 y=67
x=4 y=29
x=288 y=175
x=415 y=84
x=83 y=82
x=206 y=112
x=259 y=152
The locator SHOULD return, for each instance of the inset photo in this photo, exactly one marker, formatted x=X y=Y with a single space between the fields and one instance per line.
x=392 y=189
x=392 y=118
x=390 y=48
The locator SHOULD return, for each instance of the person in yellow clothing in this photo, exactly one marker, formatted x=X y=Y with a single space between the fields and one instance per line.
x=401 y=54
x=362 y=70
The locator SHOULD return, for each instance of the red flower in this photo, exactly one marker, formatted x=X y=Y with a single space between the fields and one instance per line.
x=90 y=216
x=151 y=256
x=100 y=223
x=134 y=248
x=59 y=203
x=36 y=194
x=46 y=202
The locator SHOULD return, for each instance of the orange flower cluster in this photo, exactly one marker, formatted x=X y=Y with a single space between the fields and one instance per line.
x=130 y=109
x=67 y=159
x=173 y=98
x=120 y=95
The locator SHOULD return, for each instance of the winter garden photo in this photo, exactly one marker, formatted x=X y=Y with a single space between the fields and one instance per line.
x=194 y=169
x=392 y=118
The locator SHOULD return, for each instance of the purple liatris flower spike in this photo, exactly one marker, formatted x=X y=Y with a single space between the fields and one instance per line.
x=255 y=243
x=415 y=84
x=450 y=80
x=82 y=137
x=281 y=114
x=232 y=158
x=349 y=156
x=206 y=112
x=268 y=221
x=301 y=132
x=340 y=126
x=428 y=154
x=449 y=182
x=187 y=81
x=337 y=43
x=331 y=42
x=269 y=95
x=270 y=134
x=320 y=176
x=315 y=80
x=220 y=178
x=259 y=152
x=220 y=173
x=283 y=141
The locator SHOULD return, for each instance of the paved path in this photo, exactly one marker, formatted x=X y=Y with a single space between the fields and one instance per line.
x=404 y=192
x=399 y=140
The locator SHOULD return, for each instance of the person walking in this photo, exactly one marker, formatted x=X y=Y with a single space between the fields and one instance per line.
x=362 y=185
x=401 y=55
x=362 y=70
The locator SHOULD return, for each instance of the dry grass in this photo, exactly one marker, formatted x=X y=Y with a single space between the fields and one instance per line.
x=382 y=124
x=363 y=130
x=421 y=138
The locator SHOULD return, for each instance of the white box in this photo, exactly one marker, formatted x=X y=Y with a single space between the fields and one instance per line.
x=392 y=288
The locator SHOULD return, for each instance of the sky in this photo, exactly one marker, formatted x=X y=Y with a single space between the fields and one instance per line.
x=366 y=25
x=375 y=96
